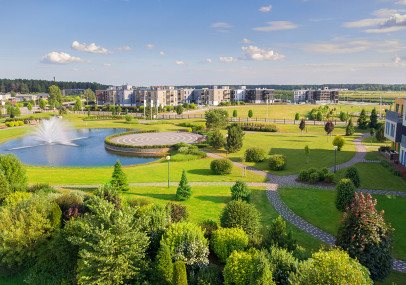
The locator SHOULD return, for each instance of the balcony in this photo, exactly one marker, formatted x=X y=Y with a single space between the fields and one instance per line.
x=394 y=117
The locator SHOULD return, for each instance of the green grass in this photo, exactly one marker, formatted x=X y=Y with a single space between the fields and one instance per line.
x=374 y=154
x=10 y=133
x=197 y=170
x=326 y=216
x=292 y=146
x=366 y=96
x=375 y=176
x=372 y=141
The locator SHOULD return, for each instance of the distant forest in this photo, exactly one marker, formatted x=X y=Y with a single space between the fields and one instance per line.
x=41 y=86
x=363 y=87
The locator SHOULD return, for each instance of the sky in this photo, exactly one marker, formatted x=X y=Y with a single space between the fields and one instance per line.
x=196 y=42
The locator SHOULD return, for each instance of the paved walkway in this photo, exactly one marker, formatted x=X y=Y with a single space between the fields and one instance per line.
x=272 y=193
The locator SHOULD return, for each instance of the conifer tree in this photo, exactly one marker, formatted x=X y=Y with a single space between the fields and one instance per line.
x=234 y=138
x=184 y=190
x=349 y=131
x=373 y=119
x=163 y=265
x=362 y=120
x=261 y=273
x=302 y=125
x=119 y=179
x=179 y=273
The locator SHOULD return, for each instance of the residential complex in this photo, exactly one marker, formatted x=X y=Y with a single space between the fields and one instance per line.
x=320 y=96
x=128 y=95
x=395 y=128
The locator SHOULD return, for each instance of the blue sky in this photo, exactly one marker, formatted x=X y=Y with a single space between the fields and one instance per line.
x=189 y=42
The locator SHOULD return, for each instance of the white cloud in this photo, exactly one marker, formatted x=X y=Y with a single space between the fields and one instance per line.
x=107 y=64
x=124 y=48
x=150 y=46
x=161 y=53
x=276 y=26
x=256 y=53
x=227 y=59
x=208 y=60
x=265 y=8
x=179 y=62
x=246 y=41
x=387 y=12
x=60 y=58
x=393 y=23
x=364 y=23
x=92 y=48
x=401 y=2
x=221 y=25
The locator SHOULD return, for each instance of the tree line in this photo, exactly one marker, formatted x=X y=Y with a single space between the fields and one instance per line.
x=39 y=86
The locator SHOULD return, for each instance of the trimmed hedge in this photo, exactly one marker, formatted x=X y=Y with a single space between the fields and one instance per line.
x=103 y=117
x=225 y=240
x=258 y=127
x=14 y=124
x=277 y=162
x=221 y=166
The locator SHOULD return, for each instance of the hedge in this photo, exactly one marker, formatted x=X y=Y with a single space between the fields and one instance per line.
x=225 y=240
x=258 y=127
x=104 y=117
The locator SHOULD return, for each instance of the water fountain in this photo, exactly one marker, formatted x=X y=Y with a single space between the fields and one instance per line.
x=53 y=131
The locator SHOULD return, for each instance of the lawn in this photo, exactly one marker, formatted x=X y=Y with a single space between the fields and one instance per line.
x=326 y=216
x=10 y=133
x=366 y=96
x=375 y=176
x=292 y=146
x=374 y=154
x=197 y=170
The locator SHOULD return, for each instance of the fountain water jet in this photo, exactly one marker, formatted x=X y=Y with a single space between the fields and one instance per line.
x=53 y=131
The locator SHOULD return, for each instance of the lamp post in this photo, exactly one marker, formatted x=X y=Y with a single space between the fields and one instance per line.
x=335 y=158
x=168 y=158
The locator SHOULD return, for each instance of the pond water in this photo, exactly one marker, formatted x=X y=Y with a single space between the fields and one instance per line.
x=88 y=150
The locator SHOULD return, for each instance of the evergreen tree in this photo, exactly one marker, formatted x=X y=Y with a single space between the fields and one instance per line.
x=235 y=138
x=302 y=125
x=184 y=191
x=235 y=113
x=362 y=120
x=29 y=107
x=380 y=133
x=373 y=119
x=261 y=273
x=163 y=265
x=119 y=179
x=345 y=190
x=297 y=116
x=4 y=187
x=217 y=139
x=349 y=130
x=364 y=234
x=319 y=116
x=179 y=273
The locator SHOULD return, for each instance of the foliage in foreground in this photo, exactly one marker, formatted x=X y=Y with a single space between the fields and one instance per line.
x=225 y=240
x=345 y=193
x=240 y=214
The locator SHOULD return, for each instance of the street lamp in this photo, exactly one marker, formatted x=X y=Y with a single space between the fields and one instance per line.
x=168 y=158
x=335 y=158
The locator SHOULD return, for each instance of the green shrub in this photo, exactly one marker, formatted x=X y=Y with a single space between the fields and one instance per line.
x=277 y=162
x=208 y=227
x=314 y=177
x=14 y=172
x=352 y=173
x=110 y=194
x=164 y=266
x=178 y=212
x=329 y=177
x=385 y=163
x=239 y=266
x=240 y=191
x=210 y=275
x=187 y=243
x=303 y=175
x=225 y=240
x=324 y=170
x=345 y=193
x=255 y=154
x=311 y=170
x=68 y=199
x=338 y=141
x=221 y=166
x=42 y=188
x=15 y=198
x=261 y=273
x=4 y=187
x=278 y=235
x=179 y=273
x=331 y=267
x=321 y=175
x=129 y=118
x=240 y=214
x=184 y=190
x=119 y=178
x=283 y=262
x=216 y=139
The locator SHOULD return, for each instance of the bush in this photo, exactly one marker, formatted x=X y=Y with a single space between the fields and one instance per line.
x=110 y=194
x=178 y=212
x=238 y=267
x=66 y=200
x=4 y=187
x=42 y=188
x=164 y=266
x=364 y=234
x=385 y=163
x=225 y=240
x=329 y=177
x=331 y=267
x=321 y=175
x=15 y=198
x=345 y=193
x=129 y=118
x=352 y=173
x=284 y=264
x=184 y=191
x=278 y=235
x=179 y=273
x=255 y=154
x=210 y=275
x=277 y=162
x=338 y=141
x=14 y=172
x=208 y=227
x=312 y=170
x=221 y=166
x=187 y=243
x=240 y=191
x=240 y=214
x=314 y=177
x=261 y=273
x=303 y=175
x=324 y=170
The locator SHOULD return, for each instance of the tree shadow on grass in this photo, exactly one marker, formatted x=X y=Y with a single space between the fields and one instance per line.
x=167 y=197
x=204 y=172
x=214 y=199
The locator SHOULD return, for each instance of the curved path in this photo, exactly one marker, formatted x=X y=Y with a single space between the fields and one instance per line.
x=272 y=193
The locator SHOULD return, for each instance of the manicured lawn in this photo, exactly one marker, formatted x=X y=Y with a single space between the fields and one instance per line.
x=292 y=146
x=318 y=208
x=373 y=153
x=9 y=133
x=372 y=141
x=375 y=176
x=197 y=170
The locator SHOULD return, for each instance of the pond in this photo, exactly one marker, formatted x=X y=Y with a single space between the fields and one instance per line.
x=88 y=150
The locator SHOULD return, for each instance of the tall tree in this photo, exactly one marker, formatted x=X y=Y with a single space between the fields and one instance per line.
x=362 y=120
x=329 y=128
x=216 y=118
x=119 y=178
x=373 y=119
x=302 y=125
x=349 y=130
x=89 y=95
x=42 y=104
x=235 y=138
x=78 y=104
x=55 y=95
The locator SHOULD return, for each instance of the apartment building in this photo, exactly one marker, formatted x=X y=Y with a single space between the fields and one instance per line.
x=320 y=96
x=260 y=95
x=299 y=96
x=395 y=128
x=212 y=96
x=238 y=94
